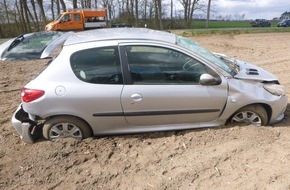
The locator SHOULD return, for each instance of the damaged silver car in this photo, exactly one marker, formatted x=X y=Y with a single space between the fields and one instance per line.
x=37 y=45
x=134 y=80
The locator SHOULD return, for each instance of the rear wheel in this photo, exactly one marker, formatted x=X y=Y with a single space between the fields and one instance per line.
x=66 y=127
x=254 y=114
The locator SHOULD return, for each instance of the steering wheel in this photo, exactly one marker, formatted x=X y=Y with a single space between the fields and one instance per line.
x=189 y=64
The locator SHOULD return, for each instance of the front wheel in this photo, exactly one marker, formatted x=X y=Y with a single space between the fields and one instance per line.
x=66 y=127
x=254 y=114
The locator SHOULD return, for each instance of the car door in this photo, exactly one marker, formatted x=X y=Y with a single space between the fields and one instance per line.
x=77 y=22
x=68 y=22
x=165 y=88
x=99 y=69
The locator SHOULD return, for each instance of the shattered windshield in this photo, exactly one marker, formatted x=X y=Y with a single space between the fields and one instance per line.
x=30 y=46
x=193 y=46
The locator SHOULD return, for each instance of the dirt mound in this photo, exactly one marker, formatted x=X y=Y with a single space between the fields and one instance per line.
x=232 y=157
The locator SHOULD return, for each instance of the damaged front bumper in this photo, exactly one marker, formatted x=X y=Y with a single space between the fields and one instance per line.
x=23 y=124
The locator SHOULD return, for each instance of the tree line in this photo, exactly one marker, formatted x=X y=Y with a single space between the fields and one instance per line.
x=24 y=16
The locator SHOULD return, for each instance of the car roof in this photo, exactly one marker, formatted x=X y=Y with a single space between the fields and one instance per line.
x=120 y=34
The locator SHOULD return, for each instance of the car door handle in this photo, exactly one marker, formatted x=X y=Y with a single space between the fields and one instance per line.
x=136 y=98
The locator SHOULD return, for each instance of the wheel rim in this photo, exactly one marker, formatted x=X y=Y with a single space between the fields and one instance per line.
x=64 y=130
x=247 y=117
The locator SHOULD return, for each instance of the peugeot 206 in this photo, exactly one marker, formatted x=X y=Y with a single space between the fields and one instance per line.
x=135 y=80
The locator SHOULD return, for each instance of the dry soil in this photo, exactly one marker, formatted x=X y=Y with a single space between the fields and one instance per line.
x=229 y=157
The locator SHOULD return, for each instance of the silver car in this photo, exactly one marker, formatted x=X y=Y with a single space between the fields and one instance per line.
x=32 y=45
x=134 y=80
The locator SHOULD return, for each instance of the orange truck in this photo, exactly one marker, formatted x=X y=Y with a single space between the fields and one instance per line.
x=78 y=20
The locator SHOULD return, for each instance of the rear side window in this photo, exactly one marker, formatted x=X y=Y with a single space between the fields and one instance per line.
x=97 y=65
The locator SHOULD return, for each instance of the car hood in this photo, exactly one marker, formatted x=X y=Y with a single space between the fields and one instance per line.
x=252 y=72
x=248 y=71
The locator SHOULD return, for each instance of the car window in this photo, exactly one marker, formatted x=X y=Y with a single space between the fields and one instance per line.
x=31 y=46
x=77 y=17
x=66 y=18
x=97 y=65
x=158 y=65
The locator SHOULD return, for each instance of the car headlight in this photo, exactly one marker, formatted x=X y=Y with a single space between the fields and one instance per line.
x=275 y=89
x=48 y=27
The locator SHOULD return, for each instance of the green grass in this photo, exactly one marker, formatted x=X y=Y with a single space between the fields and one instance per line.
x=226 y=24
x=225 y=27
x=220 y=31
x=221 y=24
x=3 y=40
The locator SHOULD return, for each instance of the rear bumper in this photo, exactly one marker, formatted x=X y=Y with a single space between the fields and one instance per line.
x=22 y=124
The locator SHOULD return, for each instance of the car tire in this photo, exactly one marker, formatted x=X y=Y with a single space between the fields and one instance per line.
x=254 y=114
x=66 y=127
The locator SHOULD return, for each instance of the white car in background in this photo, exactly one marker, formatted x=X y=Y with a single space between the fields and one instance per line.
x=37 y=45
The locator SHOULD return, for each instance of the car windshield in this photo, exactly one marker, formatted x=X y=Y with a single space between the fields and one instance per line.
x=193 y=46
x=58 y=18
x=30 y=46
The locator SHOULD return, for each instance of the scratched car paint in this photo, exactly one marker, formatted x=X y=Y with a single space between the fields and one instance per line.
x=134 y=80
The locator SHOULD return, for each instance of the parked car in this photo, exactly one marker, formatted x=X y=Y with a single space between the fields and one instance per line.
x=260 y=23
x=32 y=45
x=284 y=23
x=118 y=25
x=134 y=80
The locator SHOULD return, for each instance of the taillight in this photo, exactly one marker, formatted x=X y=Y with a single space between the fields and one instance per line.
x=29 y=95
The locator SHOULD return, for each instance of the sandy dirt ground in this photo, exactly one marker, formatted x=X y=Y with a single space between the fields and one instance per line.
x=229 y=157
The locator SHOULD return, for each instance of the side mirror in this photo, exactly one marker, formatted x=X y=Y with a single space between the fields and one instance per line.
x=208 y=80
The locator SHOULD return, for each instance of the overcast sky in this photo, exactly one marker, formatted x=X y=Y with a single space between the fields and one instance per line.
x=252 y=9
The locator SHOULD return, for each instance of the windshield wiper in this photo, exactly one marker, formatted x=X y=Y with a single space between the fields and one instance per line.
x=17 y=40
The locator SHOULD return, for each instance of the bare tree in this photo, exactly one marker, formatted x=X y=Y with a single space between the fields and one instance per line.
x=26 y=10
x=208 y=13
x=52 y=9
x=145 y=9
x=57 y=7
x=171 y=13
x=185 y=4
x=42 y=13
x=36 y=24
x=6 y=11
x=96 y=4
x=151 y=10
x=86 y=4
x=110 y=9
x=189 y=7
x=132 y=7
x=136 y=12
x=21 y=15
x=194 y=6
x=29 y=17
x=6 y=18
x=63 y=6
x=160 y=14
x=75 y=4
